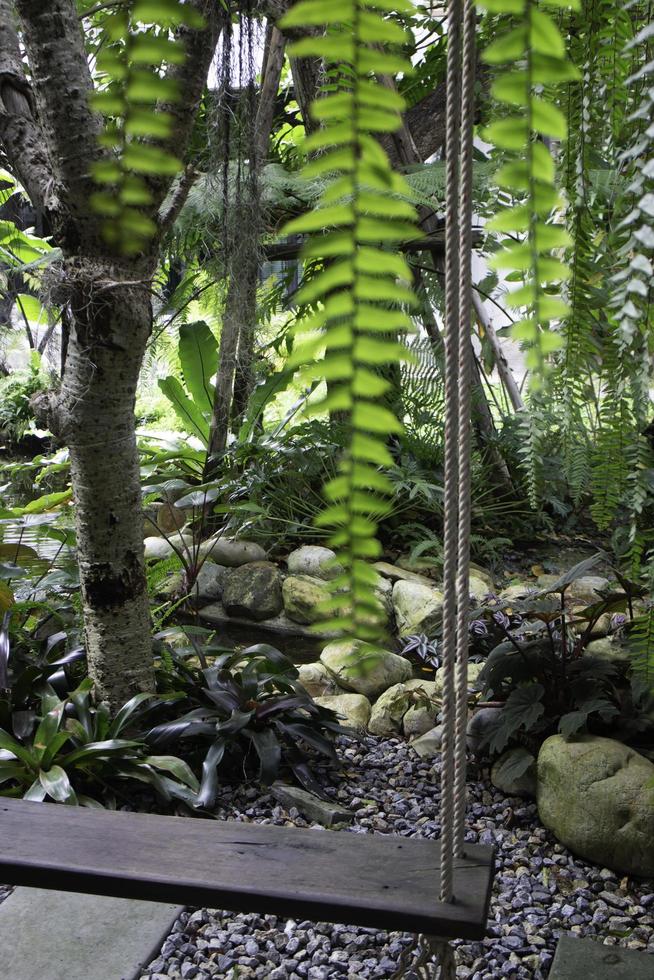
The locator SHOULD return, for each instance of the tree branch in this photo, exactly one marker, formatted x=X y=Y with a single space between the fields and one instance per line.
x=269 y=86
x=191 y=77
x=21 y=137
x=54 y=40
x=176 y=198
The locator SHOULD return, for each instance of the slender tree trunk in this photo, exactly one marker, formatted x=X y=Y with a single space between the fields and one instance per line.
x=235 y=379
x=501 y=363
x=240 y=309
x=109 y=325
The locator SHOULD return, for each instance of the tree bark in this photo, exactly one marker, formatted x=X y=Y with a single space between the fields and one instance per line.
x=504 y=371
x=108 y=327
x=49 y=135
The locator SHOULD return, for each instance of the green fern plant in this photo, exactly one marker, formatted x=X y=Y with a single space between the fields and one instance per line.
x=136 y=43
x=356 y=305
x=535 y=51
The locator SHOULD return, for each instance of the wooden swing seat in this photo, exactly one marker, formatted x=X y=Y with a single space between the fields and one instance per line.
x=378 y=881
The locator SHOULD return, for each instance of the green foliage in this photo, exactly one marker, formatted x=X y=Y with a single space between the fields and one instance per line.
x=198 y=356
x=356 y=302
x=74 y=752
x=641 y=646
x=137 y=41
x=16 y=393
x=246 y=708
x=535 y=50
x=546 y=679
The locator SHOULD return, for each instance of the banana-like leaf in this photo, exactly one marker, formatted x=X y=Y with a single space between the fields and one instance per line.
x=179 y=769
x=189 y=414
x=209 y=785
x=198 y=356
x=269 y=751
x=98 y=750
x=126 y=712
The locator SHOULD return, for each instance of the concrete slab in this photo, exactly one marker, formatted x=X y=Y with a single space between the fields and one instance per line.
x=576 y=958
x=50 y=935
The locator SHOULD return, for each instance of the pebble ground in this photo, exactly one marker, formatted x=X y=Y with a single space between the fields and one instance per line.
x=540 y=889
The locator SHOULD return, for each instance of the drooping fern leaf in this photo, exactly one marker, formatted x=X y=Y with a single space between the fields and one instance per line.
x=356 y=304
x=535 y=51
x=136 y=42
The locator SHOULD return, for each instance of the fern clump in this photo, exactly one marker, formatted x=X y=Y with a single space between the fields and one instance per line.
x=358 y=299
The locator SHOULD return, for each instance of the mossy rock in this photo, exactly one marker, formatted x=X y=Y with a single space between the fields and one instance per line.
x=359 y=667
x=596 y=795
x=253 y=591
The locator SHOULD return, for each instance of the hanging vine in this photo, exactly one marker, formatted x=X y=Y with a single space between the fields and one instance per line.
x=534 y=51
x=136 y=43
x=360 y=296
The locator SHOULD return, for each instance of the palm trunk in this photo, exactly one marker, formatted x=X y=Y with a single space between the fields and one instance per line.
x=94 y=415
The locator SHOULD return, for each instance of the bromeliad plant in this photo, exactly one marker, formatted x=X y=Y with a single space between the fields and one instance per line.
x=246 y=711
x=74 y=752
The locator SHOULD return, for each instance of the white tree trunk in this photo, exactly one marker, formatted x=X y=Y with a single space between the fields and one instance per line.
x=94 y=415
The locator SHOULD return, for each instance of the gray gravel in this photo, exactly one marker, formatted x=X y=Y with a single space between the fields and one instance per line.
x=540 y=890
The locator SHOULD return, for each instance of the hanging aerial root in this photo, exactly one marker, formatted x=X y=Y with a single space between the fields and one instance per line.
x=418 y=958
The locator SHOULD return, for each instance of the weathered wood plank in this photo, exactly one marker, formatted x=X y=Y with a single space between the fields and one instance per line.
x=378 y=881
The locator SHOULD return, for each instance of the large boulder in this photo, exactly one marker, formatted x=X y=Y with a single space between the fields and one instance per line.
x=520 y=590
x=231 y=551
x=353 y=709
x=586 y=590
x=384 y=593
x=596 y=796
x=253 y=590
x=474 y=670
x=317 y=681
x=479 y=728
x=315 y=561
x=429 y=745
x=515 y=772
x=389 y=710
x=610 y=650
x=183 y=542
x=418 y=608
x=171 y=518
x=157 y=548
x=419 y=720
x=414 y=700
x=209 y=583
x=478 y=588
x=481 y=573
x=363 y=669
x=303 y=597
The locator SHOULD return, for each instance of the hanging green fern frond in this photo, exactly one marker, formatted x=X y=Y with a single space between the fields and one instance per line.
x=535 y=51
x=136 y=43
x=357 y=302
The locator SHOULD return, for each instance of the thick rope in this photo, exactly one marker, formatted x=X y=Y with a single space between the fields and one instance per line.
x=451 y=490
x=420 y=955
x=465 y=352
